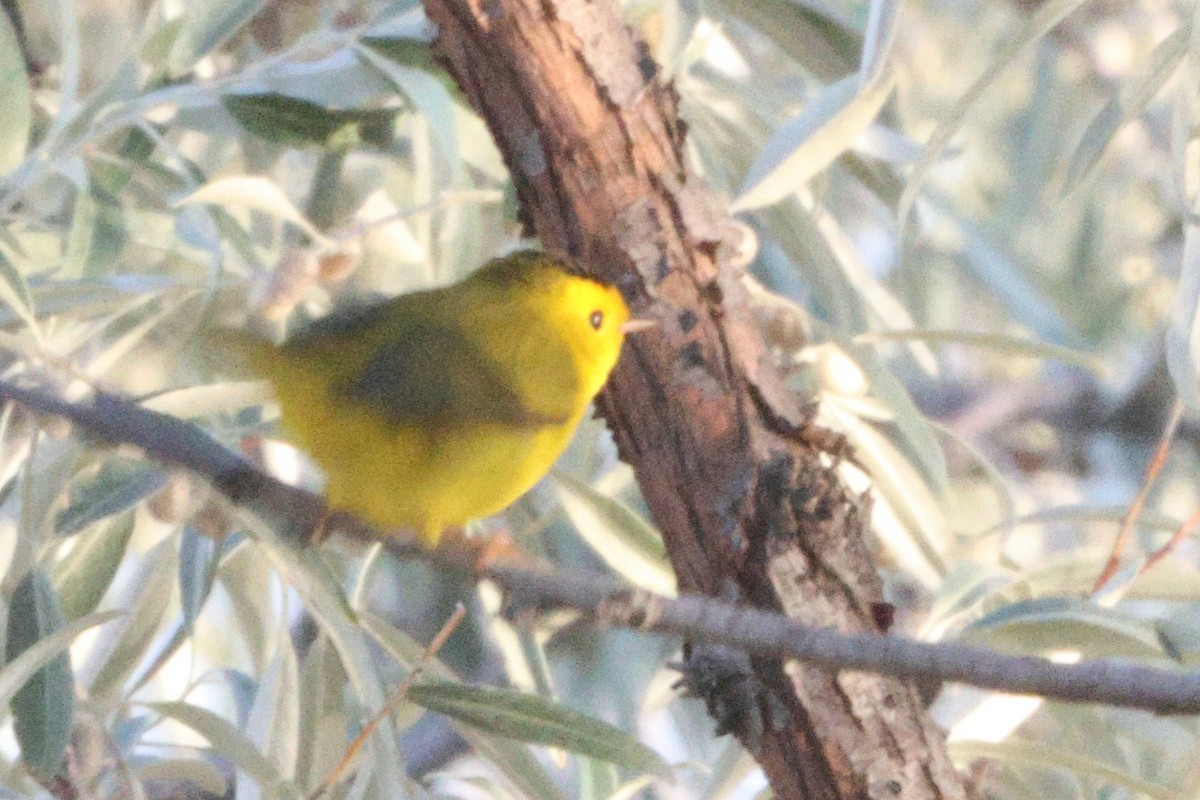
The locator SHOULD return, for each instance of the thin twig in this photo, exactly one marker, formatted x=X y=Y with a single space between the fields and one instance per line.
x=1114 y=682
x=1184 y=531
x=438 y=642
x=1157 y=462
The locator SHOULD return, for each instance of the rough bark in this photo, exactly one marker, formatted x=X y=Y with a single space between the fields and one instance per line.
x=739 y=481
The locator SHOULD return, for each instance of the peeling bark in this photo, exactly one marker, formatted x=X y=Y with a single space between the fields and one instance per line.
x=740 y=482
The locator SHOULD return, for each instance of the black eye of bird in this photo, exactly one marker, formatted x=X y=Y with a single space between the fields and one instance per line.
x=597 y=319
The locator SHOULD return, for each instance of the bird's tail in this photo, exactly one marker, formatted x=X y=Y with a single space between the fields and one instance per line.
x=240 y=350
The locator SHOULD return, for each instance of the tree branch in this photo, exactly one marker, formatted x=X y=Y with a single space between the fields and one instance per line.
x=115 y=420
x=1108 y=681
x=735 y=475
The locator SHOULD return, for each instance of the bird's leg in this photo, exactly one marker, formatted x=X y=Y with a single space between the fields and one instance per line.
x=481 y=551
x=333 y=521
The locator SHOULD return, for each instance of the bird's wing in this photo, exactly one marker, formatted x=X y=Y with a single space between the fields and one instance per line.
x=433 y=374
x=350 y=321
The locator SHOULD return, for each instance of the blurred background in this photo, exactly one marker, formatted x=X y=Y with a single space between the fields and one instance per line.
x=969 y=227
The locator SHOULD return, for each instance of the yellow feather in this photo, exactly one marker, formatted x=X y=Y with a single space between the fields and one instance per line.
x=443 y=406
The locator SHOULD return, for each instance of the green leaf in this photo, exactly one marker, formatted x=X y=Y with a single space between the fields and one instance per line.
x=922 y=538
x=478 y=149
x=201 y=778
x=427 y=93
x=823 y=37
x=207 y=25
x=1044 y=20
x=119 y=485
x=530 y=718
x=109 y=178
x=83 y=298
x=1009 y=345
x=599 y=779
x=876 y=297
x=55 y=469
x=17 y=118
x=1016 y=753
x=157 y=44
x=324 y=600
x=725 y=770
x=632 y=547
x=923 y=444
x=224 y=738
x=964 y=587
x=198 y=560
x=17 y=672
x=1084 y=514
x=84 y=575
x=811 y=141
x=44 y=708
x=98 y=235
x=210 y=399
x=120 y=337
x=148 y=596
x=256 y=193
x=882 y=23
x=1129 y=103
x=1183 y=331
x=1003 y=271
x=631 y=789
x=296 y=122
x=513 y=760
x=70 y=64
x=274 y=723
x=411 y=52
x=243 y=574
x=323 y=717
x=14 y=292
x=1052 y=623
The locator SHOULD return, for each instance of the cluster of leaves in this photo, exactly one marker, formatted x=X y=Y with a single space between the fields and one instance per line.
x=947 y=303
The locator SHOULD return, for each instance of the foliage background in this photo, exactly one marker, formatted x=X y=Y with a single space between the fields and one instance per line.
x=984 y=317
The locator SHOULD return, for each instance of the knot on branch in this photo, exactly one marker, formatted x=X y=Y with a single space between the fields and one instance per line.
x=793 y=496
x=734 y=696
x=636 y=608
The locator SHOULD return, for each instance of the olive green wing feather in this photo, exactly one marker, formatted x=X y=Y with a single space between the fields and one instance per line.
x=351 y=321
x=433 y=374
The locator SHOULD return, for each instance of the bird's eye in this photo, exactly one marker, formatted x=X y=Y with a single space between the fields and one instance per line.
x=596 y=319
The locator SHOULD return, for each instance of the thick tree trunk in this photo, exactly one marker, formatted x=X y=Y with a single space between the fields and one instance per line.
x=737 y=479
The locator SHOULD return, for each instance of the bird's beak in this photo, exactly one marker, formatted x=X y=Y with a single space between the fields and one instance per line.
x=635 y=325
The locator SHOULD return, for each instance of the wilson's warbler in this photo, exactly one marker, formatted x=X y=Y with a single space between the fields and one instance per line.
x=442 y=406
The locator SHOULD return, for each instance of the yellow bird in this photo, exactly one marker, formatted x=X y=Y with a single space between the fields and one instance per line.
x=443 y=406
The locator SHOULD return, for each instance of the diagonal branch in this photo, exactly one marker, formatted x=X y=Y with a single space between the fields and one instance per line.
x=742 y=485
